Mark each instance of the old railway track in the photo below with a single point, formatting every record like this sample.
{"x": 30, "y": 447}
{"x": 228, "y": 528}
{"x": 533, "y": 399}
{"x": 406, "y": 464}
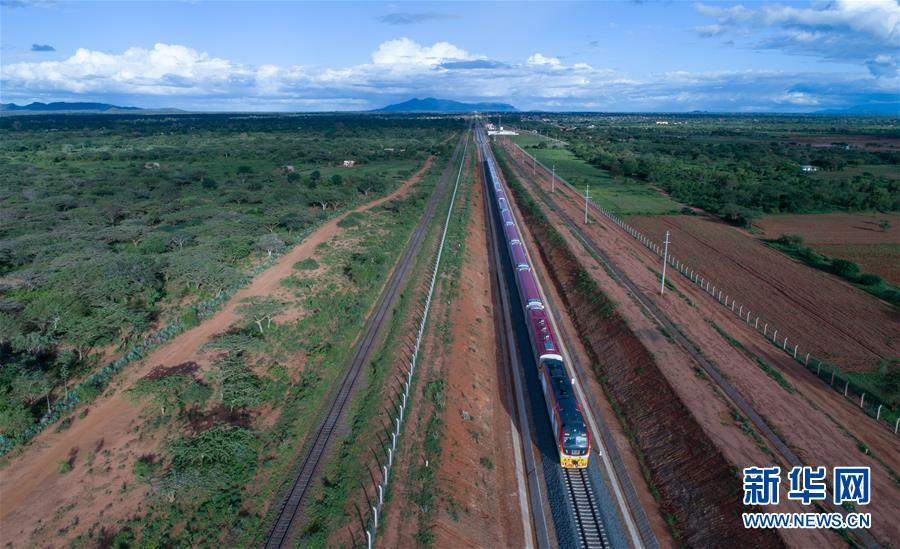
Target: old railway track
{"x": 288, "y": 513}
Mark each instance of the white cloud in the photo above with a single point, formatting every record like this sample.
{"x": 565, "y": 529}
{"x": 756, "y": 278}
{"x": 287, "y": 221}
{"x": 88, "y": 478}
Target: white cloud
{"x": 539, "y": 59}
{"x": 404, "y": 51}
{"x": 176, "y": 75}
{"x": 165, "y": 69}
{"x": 865, "y": 32}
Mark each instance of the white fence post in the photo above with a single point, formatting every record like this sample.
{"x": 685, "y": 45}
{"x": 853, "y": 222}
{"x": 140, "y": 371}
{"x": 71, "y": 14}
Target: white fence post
{"x": 862, "y": 399}
{"x": 878, "y": 413}
{"x": 375, "y": 516}
{"x": 795, "y": 350}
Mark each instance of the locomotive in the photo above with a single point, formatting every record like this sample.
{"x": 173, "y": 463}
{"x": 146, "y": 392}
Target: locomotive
{"x": 570, "y": 432}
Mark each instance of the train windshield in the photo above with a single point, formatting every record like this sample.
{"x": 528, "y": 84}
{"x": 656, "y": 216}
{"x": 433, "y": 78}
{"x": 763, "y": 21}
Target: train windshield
{"x": 575, "y": 441}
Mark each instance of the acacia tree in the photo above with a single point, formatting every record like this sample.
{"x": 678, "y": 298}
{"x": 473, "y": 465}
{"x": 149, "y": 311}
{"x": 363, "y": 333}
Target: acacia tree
{"x": 259, "y": 309}
{"x": 270, "y": 243}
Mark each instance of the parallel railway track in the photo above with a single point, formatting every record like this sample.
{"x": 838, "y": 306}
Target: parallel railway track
{"x": 288, "y": 513}
{"x": 662, "y": 319}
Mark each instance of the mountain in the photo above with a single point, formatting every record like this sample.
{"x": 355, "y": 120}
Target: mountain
{"x": 430, "y": 104}
{"x": 64, "y": 106}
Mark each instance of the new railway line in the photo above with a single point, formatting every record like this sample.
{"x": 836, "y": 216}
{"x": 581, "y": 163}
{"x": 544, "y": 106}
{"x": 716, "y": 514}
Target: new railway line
{"x": 288, "y": 513}
{"x": 662, "y": 319}
{"x": 584, "y": 509}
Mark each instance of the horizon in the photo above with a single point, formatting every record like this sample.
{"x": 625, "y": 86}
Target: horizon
{"x": 640, "y": 57}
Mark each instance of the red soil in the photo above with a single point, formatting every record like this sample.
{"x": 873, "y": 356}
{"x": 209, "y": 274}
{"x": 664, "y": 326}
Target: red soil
{"x": 33, "y": 489}
{"x": 857, "y": 237}
{"x": 828, "y": 317}
{"x": 487, "y": 499}
{"x": 816, "y": 422}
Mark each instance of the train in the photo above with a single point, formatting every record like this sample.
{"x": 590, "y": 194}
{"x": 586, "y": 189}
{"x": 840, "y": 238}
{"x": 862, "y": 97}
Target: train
{"x": 573, "y": 440}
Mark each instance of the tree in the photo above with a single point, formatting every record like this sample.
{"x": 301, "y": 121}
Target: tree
{"x": 270, "y": 243}
{"x": 259, "y": 309}
{"x": 30, "y": 386}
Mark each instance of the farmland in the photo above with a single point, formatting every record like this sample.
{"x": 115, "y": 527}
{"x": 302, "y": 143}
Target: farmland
{"x": 871, "y": 240}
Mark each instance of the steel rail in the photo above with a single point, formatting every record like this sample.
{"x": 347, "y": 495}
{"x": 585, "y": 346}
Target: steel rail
{"x": 288, "y": 512}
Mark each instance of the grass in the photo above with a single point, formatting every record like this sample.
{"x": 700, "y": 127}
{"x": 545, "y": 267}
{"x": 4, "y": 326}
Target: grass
{"x": 616, "y": 194}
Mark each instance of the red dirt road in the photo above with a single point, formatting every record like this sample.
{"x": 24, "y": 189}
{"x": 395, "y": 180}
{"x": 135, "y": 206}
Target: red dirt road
{"x": 32, "y": 488}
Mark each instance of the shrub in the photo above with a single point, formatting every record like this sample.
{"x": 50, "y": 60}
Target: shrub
{"x": 844, "y": 268}
{"x": 308, "y": 264}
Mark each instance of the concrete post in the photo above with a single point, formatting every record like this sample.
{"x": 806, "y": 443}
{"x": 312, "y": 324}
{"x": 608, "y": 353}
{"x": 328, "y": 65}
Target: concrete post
{"x": 846, "y": 387}
{"x": 380, "y": 495}
{"x": 741, "y": 311}
{"x": 756, "y": 324}
{"x": 878, "y": 413}
{"x": 385, "y": 474}
{"x": 807, "y": 359}
{"x": 862, "y": 399}
{"x": 784, "y": 347}
{"x": 897, "y": 424}
{"x": 375, "y": 516}
{"x": 765, "y": 329}
{"x": 775, "y": 335}
{"x": 732, "y": 305}
{"x": 369, "y": 539}
{"x": 795, "y": 350}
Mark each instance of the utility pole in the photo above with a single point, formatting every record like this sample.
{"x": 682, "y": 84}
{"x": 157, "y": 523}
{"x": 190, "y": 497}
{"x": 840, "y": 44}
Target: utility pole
{"x": 553, "y": 181}
{"x": 662, "y": 288}
{"x": 587, "y": 198}
{"x": 532, "y": 165}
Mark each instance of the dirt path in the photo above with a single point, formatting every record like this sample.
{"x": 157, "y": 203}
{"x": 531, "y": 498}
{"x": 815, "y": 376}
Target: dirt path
{"x": 31, "y": 485}
{"x": 811, "y": 421}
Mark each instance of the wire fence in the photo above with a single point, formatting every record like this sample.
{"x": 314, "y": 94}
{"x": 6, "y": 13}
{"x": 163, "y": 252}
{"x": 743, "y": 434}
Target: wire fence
{"x": 381, "y": 486}
{"x": 874, "y": 407}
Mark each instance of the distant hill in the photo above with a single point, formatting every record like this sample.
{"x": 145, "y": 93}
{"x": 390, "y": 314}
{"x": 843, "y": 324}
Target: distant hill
{"x": 430, "y": 104}
{"x": 64, "y": 106}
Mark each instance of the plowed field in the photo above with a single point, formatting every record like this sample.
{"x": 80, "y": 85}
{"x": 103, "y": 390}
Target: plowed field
{"x": 826, "y": 316}
{"x": 857, "y": 237}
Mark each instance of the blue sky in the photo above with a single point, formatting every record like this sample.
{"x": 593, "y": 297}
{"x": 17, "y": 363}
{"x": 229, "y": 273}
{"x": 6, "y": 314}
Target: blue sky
{"x": 608, "y": 56}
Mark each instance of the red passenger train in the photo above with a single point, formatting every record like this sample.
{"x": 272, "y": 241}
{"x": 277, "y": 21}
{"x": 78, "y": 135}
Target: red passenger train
{"x": 572, "y": 438}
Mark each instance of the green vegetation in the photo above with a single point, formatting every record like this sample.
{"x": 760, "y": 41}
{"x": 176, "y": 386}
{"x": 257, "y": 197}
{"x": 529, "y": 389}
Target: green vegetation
{"x": 736, "y": 166}
{"x": 116, "y": 227}
{"x": 618, "y": 194}
{"x": 793, "y": 246}
{"x": 884, "y": 382}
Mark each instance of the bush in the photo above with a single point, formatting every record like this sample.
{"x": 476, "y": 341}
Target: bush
{"x": 870, "y": 279}
{"x": 845, "y": 268}
{"x": 792, "y": 240}
{"x": 308, "y": 264}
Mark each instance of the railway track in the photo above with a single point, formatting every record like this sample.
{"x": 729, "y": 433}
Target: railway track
{"x": 588, "y": 528}
{"x": 288, "y": 513}
{"x": 537, "y": 517}
{"x": 584, "y": 510}
{"x": 663, "y": 320}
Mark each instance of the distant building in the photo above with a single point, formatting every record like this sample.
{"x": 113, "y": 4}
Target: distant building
{"x": 662, "y": 122}
{"x": 286, "y": 169}
{"x": 151, "y": 165}
{"x": 349, "y": 163}
{"x": 809, "y": 168}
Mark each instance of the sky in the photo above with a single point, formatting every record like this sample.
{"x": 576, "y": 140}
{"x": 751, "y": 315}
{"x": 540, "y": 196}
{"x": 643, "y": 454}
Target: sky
{"x": 676, "y": 56}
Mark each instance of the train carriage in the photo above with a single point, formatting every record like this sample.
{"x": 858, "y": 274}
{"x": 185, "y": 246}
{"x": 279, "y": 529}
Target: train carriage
{"x": 570, "y": 431}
